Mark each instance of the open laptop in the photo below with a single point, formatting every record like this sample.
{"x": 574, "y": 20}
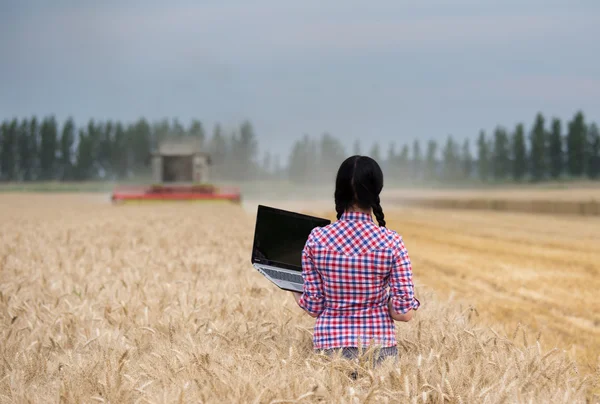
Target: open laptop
{"x": 279, "y": 238}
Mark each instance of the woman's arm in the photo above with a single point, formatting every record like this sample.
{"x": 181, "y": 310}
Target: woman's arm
{"x": 297, "y": 297}
{"x": 399, "y": 316}
{"x": 312, "y": 299}
{"x": 402, "y": 301}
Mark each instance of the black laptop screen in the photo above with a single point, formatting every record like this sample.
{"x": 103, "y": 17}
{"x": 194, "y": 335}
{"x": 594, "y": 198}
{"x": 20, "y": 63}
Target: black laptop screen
{"x": 280, "y": 236}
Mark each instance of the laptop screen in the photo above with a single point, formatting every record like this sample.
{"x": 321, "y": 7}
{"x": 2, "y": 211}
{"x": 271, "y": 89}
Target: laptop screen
{"x": 280, "y": 236}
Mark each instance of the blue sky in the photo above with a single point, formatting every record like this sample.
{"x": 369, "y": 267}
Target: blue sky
{"x": 382, "y": 70}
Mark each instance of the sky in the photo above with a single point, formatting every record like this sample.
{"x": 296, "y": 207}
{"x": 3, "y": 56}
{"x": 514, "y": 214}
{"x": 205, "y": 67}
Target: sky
{"x": 383, "y": 70}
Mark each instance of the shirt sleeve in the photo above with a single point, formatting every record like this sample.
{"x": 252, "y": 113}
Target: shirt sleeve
{"x": 401, "y": 284}
{"x": 312, "y": 299}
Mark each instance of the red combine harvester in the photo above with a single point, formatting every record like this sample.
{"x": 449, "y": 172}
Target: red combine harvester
{"x": 180, "y": 173}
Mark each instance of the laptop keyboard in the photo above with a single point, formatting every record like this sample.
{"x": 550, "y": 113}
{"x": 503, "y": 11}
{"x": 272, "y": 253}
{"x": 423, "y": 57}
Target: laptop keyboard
{"x": 284, "y": 276}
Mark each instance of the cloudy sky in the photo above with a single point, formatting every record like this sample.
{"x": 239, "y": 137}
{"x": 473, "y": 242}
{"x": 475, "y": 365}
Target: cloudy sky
{"x": 391, "y": 70}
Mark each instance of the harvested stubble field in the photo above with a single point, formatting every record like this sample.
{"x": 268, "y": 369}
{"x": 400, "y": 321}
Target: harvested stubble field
{"x": 583, "y": 201}
{"x": 156, "y": 303}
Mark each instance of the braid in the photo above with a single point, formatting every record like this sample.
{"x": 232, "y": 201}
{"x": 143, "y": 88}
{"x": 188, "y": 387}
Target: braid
{"x": 341, "y": 207}
{"x": 340, "y": 210}
{"x": 378, "y": 211}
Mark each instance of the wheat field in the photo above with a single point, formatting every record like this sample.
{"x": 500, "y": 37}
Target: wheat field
{"x": 574, "y": 193}
{"x": 159, "y": 304}
{"x": 582, "y": 201}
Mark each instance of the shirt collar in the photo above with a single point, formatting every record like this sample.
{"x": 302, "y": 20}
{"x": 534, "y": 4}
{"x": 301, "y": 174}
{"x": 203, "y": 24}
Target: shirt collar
{"x": 356, "y": 217}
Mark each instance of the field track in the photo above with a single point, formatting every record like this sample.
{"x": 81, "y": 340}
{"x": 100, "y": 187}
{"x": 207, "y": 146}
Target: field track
{"x": 157, "y": 304}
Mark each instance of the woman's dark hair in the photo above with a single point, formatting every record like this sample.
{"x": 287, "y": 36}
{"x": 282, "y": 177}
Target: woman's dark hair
{"x": 359, "y": 181}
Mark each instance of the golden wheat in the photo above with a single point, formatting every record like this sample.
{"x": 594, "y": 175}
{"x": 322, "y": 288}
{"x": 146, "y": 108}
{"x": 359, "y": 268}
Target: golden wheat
{"x": 575, "y": 192}
{"x": 583, "y": 202}
{"x": 158, "y": 304}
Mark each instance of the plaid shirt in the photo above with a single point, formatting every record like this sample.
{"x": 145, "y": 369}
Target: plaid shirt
{"x": 347, "y": 267}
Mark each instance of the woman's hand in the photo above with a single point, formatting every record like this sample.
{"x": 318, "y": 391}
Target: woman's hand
{"x": 297, "y": 296}
{"x": 399, "y": 316}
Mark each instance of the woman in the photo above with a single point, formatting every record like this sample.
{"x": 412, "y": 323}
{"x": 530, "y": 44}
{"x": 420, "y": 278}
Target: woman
{"x": 348, "y": 266}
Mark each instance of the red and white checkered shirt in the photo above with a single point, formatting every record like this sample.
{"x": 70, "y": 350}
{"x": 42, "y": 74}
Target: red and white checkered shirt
{"x": 347, "y": 268}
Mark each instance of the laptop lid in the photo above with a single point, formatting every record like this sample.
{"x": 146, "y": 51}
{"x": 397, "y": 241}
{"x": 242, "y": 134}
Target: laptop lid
{"x": 280, "y": 236}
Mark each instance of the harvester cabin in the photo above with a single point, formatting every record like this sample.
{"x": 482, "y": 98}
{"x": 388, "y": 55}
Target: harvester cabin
{"x": 180, "y": 162}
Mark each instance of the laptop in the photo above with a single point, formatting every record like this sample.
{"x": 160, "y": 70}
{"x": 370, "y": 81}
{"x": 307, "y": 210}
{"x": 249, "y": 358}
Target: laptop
{"x": 279, "y": 238}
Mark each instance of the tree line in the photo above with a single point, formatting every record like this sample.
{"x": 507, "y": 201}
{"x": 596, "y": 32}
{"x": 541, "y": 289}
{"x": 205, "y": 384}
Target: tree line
{"x": 547, "y": 151}
{"x": 39, "y": 150}
{"x": 33, "y": 149}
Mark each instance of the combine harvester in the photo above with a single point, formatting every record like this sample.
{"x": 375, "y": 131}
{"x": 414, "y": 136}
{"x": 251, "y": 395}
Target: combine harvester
{"x": 180, "y": 173}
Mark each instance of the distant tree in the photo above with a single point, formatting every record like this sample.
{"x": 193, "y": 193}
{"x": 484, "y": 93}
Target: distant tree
{"x": 576, "y": 142}
{"x": 467, "y": 159}
{"x": 299, "y": 170}
{"x": 105, "y": 143}
{"x": 375, "y": 153}
{"x": 197, "y": 130}
{"x": 2, "y": 131}
{"x": 404, "y": 163}
{"x": 314, "y": 159}
{"x": 3, "y": 153}
{"x": 248, "y": 150}
{"x": 519, "y": 153}
{"x": 483, "y": 157}
{"x": 34, "y": 147}
{"x": 297, "y": 163}
{"x": 266, "y": 164}
{"x": 13, "y": 135}
{"x": 593, "y": 166}
{"x": 94, "y": 136}
{"x": 139, "y": 141}
{"x": 234, "y": 161}
{"x": 9, "y": 148}
{"x": 390, "y": 165}
{"x": 331, "y": 154}
{"x": 391, "y": 154}
{"x": 84, "y": 168}
{"x": 304, "y": 161}
{"x": 277, "y": 169}
{"x": 48, "y": 148}
{"x": 160, "y": 132}
{"x": 25, "y": 155}
{"x": 218, "y": 151}
{"x": 417, "y": 160}
{"x": 555, "y": 151}
{"x": 431, "y": 160}
{"x": 121, "y": 150}
{"x": 537, "y": 159}
{"x": 451, "y": 160}
{"x": 241, "y": 169}
{"x": 66, "y": 150}
{"x": 501, "y": 154}
{"x": 177, "y": 129}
